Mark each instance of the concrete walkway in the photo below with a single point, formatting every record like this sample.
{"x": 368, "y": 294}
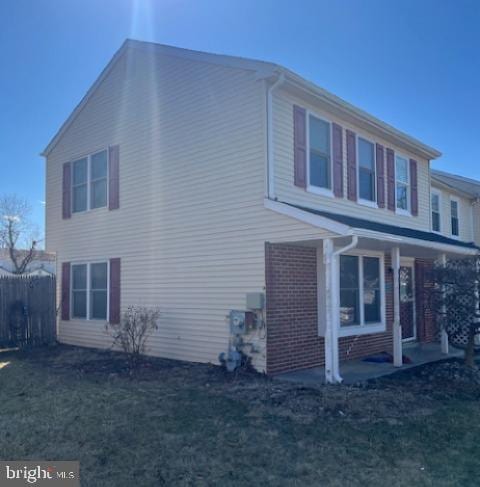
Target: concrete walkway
{"x": 354, "y": 371}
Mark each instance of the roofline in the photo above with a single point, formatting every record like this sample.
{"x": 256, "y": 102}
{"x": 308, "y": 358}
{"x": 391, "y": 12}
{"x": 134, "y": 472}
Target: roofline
{"x": 436, "y": 172}
{"x": 360, "y": 115}
{"x": 53, "y": 142}
{"x": 265, "y": 70}
{"x": 448, "y": 187}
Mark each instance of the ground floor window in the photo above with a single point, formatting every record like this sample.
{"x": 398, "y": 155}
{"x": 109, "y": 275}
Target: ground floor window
{"x": 361, "y": 290}
{"x": 89, "y": 297}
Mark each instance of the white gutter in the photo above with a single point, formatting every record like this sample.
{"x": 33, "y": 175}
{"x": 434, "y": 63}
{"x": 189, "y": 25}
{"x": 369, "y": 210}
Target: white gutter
{"x": 440, "y": 247}
{"x": 270, "y": 148}
{"x": 332, "y": 325}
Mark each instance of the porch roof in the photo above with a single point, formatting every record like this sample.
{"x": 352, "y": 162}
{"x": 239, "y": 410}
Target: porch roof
{"x": 384, "y": 228}
{"x": 377, "y": 234}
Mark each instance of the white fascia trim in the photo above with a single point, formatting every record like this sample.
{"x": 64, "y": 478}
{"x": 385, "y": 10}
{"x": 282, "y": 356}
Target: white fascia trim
{"x": 306, "y": 217}
{"x": 397, "y": 239}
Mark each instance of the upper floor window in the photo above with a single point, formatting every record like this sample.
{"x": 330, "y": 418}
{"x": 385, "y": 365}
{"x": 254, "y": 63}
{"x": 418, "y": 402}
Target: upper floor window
{"x": 319, "y": 137}
{"x": 435, "y": 202}
{"x": 366, "y": 169}
{"x": 89, "y": 182}
{"x": 402, "y": 183}
{"x": 90, "y": 291}
{"x": 454, "y": 217}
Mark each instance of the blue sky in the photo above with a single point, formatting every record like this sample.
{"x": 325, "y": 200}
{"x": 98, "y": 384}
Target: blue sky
{"x": 412, "y": 63}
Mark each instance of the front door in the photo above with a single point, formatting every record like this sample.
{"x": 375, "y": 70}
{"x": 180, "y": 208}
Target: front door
{"x": 407, "y": 301}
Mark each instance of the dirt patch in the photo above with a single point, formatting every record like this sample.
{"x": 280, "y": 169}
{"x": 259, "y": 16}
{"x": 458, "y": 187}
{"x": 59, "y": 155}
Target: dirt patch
{"x": 412, "y": 393}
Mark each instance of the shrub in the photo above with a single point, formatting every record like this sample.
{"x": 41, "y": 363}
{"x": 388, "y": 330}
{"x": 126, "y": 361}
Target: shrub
{"x": 131, "y": 334}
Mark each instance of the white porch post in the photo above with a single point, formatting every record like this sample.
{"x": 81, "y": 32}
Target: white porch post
{"x": 328, "y": 343}
{"x": 443, "y": 333}
{"x": 397, "y": 327}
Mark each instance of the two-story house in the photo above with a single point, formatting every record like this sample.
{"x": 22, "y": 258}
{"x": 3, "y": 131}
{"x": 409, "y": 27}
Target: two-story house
{"x": 191, "y": 181}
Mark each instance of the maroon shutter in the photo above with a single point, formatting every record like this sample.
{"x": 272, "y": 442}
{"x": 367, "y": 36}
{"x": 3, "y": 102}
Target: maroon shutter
{"x": 65, "y": 291}
{"x": 380, "y": 162}
{"x": 351, "y": 166}
{"x": 390, "y": 180}
{"x": 114, "y": 291}
{"x": 67, "y": 191}
{"x": 413, "y": 187}
{"x": 300, "y": 146}
{"x": 337, "y": 136}
{"x": 113, "y": 178}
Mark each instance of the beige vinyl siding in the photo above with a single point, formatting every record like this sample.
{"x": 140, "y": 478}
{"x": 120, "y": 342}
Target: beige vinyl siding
{"x": 465, "y": 214}
{"x": 191, "y": 227}
{"x": 286, "y": 190}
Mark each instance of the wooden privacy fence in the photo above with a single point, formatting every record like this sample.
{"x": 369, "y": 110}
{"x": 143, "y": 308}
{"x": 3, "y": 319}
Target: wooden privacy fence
{"x": 27, "y": 311}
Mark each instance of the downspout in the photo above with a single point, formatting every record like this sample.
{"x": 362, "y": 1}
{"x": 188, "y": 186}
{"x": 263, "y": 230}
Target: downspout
{"x": 332, "y": 368}
{"x": 270, "y": 158}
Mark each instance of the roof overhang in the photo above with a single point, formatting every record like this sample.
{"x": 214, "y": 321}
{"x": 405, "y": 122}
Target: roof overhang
{"x": 343, "y": 230}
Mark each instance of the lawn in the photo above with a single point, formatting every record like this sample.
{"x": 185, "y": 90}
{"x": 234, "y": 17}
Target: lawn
{"x": 180, "y": 424}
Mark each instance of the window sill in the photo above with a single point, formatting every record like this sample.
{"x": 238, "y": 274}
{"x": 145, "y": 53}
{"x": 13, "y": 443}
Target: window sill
{"x": 399, "y": 211}
{"x": 369, "y": 203}
{"x": 88, "y": 320}
{"x": 93, "y": 210}
{"x": 320, "y": 191}
{"x": 354, "y": 330}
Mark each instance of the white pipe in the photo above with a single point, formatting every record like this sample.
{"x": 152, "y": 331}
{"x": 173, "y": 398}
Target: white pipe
{"x": 332, "y": 361}
{"x": 397, "y": 327}
{"x": 270, "y": 158}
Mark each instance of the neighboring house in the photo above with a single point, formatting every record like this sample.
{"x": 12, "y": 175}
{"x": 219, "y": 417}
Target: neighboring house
{"x": 42, "y": 264}
{"x": 455, "y": 204}
{"x": 186, "y": 180}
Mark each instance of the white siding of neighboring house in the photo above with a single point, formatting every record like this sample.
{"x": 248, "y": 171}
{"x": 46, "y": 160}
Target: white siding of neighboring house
{"x": 35, "y": 265}
{"x": 191, "y": 227}
{"x": 465, "y": 210}
{"x": 476, "y": 222}
{"x": 283, "y": 103}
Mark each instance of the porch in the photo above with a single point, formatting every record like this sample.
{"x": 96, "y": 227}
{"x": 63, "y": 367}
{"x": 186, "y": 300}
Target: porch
{"x": 355, "y": 371}
{"x": 362, "y": 291}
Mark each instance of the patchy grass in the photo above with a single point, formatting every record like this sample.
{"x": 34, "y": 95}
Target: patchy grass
{"x": 184, "y": 424}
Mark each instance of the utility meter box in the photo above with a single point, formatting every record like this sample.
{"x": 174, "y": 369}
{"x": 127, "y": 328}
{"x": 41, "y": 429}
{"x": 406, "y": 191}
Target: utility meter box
{"x": 255, "y": 300}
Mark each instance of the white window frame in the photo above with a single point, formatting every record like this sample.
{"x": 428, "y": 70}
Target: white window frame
{"x": 365, "y": 328}
{"x": 436, "y": 192}
{"x": 312, "y": 188}
{"x": 372, "y": 203}
{"x": 88, "y": 264}
{"x": 457, "y": 200}
{"x": 401, "y": 211}
{"x": 89, "y": 180}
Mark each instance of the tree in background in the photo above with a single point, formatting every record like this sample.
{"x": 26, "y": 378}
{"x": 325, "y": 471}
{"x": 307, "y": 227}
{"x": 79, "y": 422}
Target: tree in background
{"x": 456, "y": 301}
{"x": 17, "y": 232}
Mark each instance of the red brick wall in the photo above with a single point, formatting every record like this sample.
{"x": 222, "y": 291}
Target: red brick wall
{"x": 292, "y": 330}
{"x": 291, "y": 291}
{"x": 291, "y": 306}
